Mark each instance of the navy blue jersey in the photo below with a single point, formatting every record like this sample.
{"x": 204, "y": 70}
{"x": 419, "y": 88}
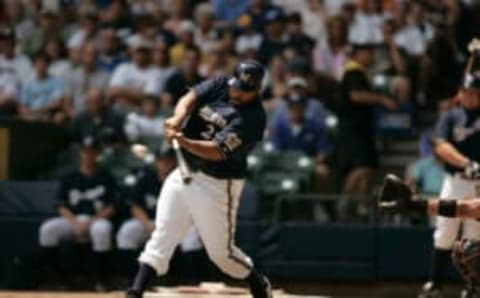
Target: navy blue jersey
{"x": 461, "y": 128}
{"x": 236, "y": 128}
{"x": 146, "y": 191}
{"x": 87, "y": 194}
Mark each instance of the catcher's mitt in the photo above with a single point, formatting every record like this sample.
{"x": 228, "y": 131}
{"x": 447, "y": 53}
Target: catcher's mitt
{"x": 466, "y": 257}
{"x": 395, "y": 194}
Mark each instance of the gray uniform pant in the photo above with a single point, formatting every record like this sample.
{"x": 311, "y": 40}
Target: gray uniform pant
{"x": 56, "y": 229}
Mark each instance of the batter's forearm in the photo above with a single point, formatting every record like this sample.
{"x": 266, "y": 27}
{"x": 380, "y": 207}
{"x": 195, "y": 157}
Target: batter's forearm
{"x": 208, "y": 150}
{"x": 450, "y": 155}
{"x": 185, "y": 105}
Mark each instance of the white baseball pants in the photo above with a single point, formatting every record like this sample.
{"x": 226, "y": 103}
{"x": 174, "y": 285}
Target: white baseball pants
{"x": 58, "y": 228}
{"x": 210, "y": 205}
{"x": 133, "y": 234}
{"x": 447, "y": 229}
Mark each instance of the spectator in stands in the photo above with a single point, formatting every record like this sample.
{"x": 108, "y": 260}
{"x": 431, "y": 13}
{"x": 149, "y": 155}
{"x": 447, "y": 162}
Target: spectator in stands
{"x": 415, "y": 37}
{"x": 60, "y": 65}
{"x": 330, "y": 54}
{"x": 42, "y": 98}
{"x": 178, "y": 13}
{"x": 182, "y": 78}
{"x": 427, "y": 173}
{"x": 367, "y": 24}
{"x": 299, "y": 132}
{"x": 314, "y": 19}
{"x": 229, "y": 12}
{"x": 390, "y": 67}
{"x": 88, "y": 28}
{"x": 298, "y": 88}
{"x": 297, "y": 39}
{"x": 15, "y": 63}
{"x": 84, "y": 78}
{"x": 132, "y": 82}
{"x": 214, "y": 63}
{"x": 358, "y": 155}
{"x": 248, "y": 42}
{"x": 86, "y": 198}
{"x": 97, "y": 118}
{"x": 258, "y": 12}
{"x": 185, "y": 37}
{"x": 204, "y": 33}
{"x": 276, "y": 39}
{"x": 48, "y": 28}
{"x": 146, "y": 126}
{"x": 16, "y": 18}
{"x": 111, "y": 54}
{"x": 161, "y": 61}
{"x": 9, "y": 89}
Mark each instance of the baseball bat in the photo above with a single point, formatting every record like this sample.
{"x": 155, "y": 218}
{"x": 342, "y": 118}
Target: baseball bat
{"x": 182, "y": 163}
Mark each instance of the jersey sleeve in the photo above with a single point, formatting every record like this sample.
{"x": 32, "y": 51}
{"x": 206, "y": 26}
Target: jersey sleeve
{"x": 240, "y": 136}
{"x": 208, "y": 90}
{"x": 443, "y": 128}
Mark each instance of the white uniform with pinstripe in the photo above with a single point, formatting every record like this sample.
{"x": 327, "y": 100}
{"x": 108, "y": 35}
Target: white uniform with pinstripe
{"x": 211, "y": 205}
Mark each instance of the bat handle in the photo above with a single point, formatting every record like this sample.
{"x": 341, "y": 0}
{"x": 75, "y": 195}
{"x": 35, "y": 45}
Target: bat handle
{"x": 182, "y": 164}
{"x": 175, "y": 144}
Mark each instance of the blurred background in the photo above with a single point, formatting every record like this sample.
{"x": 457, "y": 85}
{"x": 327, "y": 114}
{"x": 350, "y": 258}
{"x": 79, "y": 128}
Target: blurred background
{"x": 111, "y": 71}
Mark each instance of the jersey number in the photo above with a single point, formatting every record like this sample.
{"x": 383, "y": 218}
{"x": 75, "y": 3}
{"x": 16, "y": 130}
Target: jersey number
{"x": 208, "y": 134}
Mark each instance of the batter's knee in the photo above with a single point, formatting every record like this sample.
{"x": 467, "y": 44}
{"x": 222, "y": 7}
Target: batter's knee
{"x": 229, "y": 264}
{"x": 101, "y": 235}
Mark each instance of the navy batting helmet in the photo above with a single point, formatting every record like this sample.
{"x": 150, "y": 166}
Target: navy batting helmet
{"x": 247, "y": 76}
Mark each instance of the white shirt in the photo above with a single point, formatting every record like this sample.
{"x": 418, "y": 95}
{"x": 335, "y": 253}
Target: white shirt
{"x": 141, "y": 127}
{"x": 366, "y": 28}
{"x": 20, "y": 66}
{"x": 248, "y": 42}
{"x": 79, "y": 82}
{"x": 60, "y": 68}
{"x": 9, "y": 84}
{"x": 146, "y": 79}
{"x": 414, "y": 40}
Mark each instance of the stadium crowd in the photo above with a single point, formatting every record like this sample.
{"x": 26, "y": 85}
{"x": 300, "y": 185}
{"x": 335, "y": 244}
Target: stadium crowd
{"x": 120, "y": 66}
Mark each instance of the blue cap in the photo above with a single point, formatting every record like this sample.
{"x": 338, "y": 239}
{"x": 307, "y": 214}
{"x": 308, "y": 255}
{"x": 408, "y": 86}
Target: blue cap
{"x": 247, "y": 76}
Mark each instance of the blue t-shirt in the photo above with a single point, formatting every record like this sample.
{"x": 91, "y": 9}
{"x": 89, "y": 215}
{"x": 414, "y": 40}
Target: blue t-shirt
{"x": 429, "y": 175}
{"x": 36, "y": 94}
{"x": 235, "y": 128}
{"x": 311, "y": 138}
{"x": 461, "y": 128}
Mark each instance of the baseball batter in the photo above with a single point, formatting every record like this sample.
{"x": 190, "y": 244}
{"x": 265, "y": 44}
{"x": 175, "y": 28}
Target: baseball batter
{"x": 224, "y": 119}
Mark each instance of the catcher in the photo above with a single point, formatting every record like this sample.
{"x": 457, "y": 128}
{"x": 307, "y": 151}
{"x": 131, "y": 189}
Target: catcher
{"x": 397, "y": 196}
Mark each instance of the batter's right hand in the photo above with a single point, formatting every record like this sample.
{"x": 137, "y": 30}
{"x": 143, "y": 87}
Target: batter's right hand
{"x": 174, "y": 123}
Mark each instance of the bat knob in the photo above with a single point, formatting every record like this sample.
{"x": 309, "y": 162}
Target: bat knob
{"x": 187, "y": 180}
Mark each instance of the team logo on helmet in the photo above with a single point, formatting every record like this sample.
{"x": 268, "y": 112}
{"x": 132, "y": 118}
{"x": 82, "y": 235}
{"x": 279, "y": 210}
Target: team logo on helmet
{"x": 245, "y": 77}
